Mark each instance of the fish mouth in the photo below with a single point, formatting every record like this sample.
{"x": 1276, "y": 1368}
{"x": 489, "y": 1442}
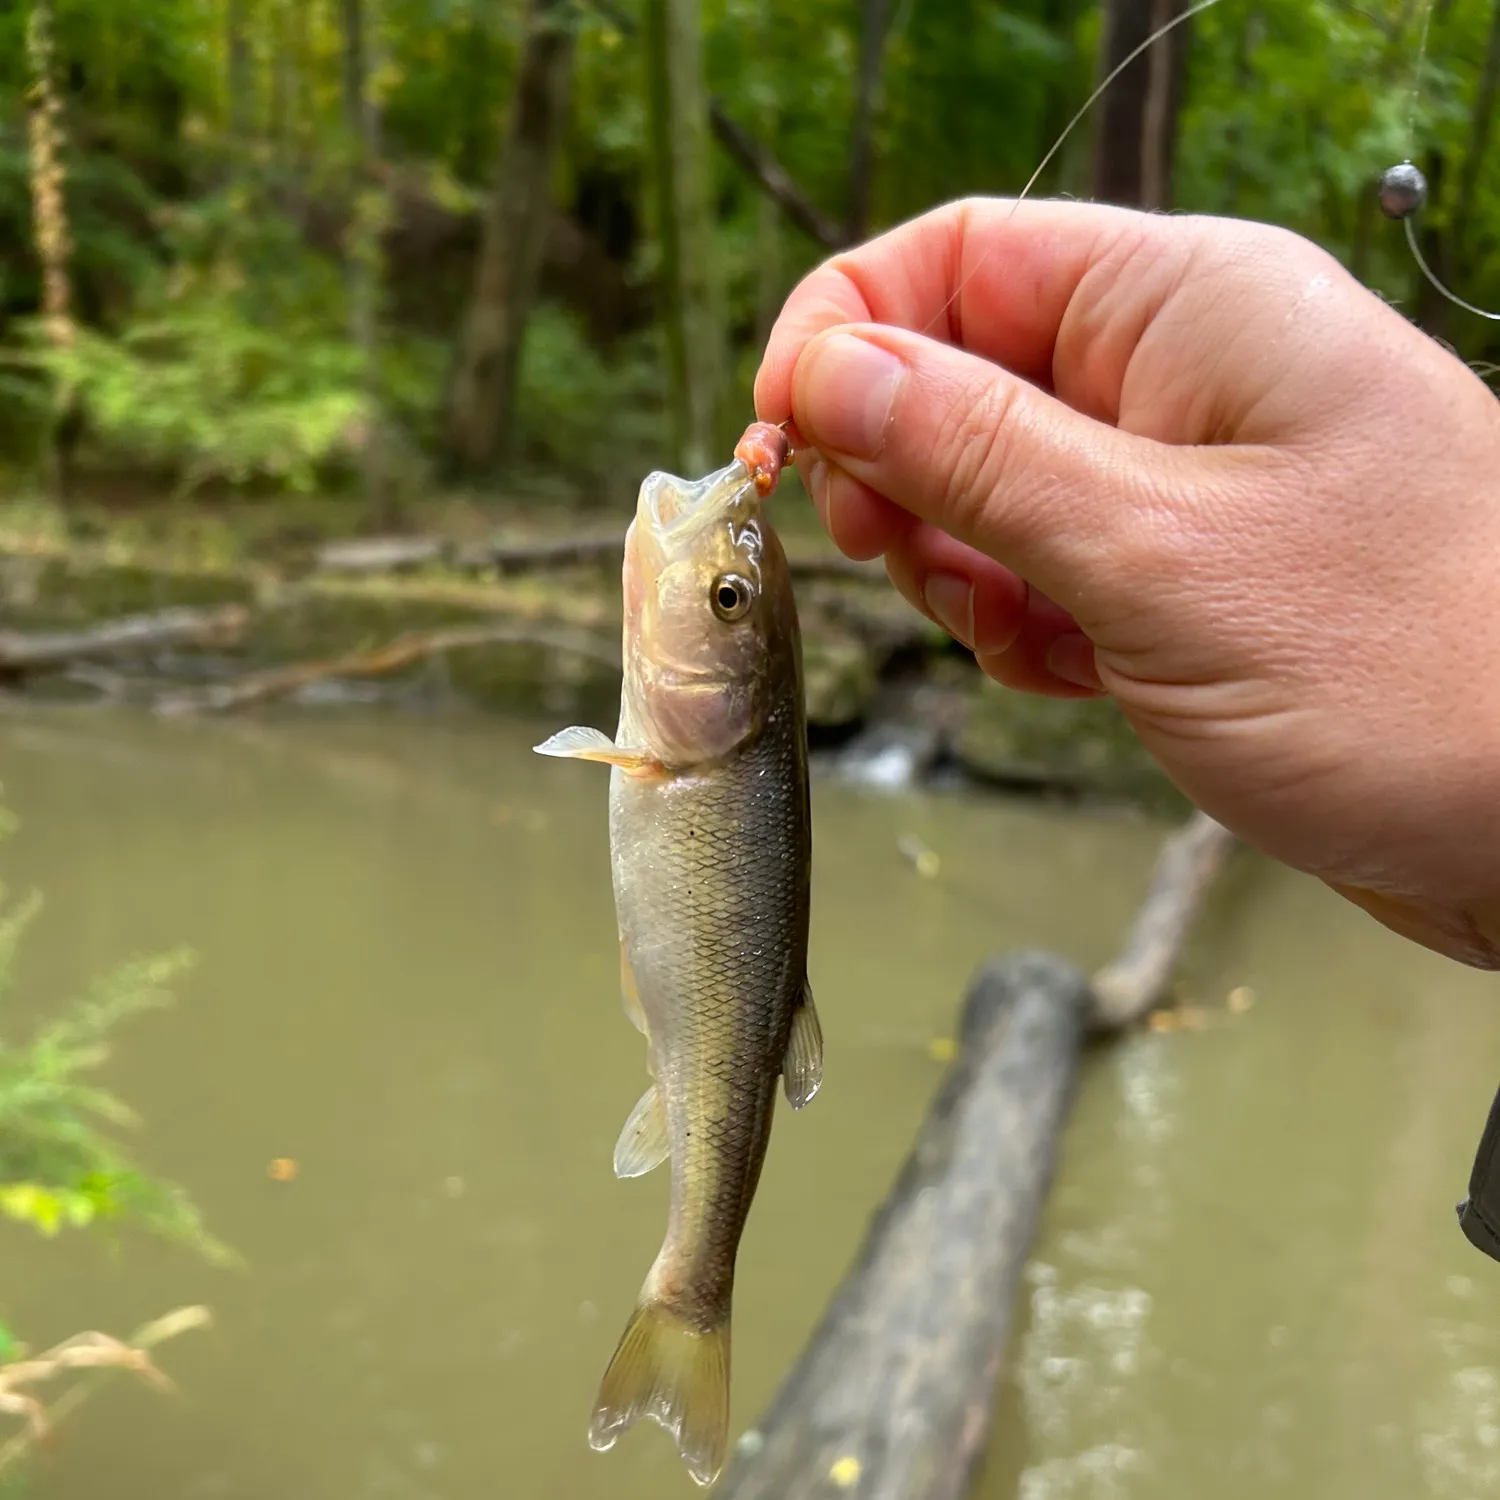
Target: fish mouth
{"x": 672, "y": 507}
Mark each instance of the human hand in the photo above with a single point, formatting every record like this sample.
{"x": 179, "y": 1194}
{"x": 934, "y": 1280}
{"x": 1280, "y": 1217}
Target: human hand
{"x": 1193, "y": 464}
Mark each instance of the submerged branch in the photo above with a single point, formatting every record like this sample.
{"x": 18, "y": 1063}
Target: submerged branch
{"x": 279, "y": 682}
{"x": 39, "y": 651}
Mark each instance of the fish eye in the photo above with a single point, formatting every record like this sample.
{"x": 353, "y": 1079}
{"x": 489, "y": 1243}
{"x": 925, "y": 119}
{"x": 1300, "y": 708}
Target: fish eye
{"x": 731, "y": 597}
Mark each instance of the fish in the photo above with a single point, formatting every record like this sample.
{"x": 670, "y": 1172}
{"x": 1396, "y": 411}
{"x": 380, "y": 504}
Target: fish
{"x": 711, "y": 851}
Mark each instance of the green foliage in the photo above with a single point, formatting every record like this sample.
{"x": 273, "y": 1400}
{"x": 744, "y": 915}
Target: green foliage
{"x": 213, "y": 274}
{"x": 566, "y": 385}
{"x": 60, "y": 1167}
{"x": 233, "y": 365}
{"x": 205, "y": 395}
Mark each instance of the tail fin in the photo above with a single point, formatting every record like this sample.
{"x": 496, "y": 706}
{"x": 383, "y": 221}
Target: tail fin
{"x": 667, "y": 1370}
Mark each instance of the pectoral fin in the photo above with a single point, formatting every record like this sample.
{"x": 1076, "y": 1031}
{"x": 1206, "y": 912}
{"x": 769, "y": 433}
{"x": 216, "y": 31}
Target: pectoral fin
{"x": 643, "y": 1141}
{"x": 578, "y": 742}
{"x": 802, "y": 1072}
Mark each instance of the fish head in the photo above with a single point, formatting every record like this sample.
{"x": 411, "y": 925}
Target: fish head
{"x": 705, "y": 599}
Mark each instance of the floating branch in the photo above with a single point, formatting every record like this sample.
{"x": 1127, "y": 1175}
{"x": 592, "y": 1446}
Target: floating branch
{"x": 278, "y": 682}
{"x": 41, "y": 651}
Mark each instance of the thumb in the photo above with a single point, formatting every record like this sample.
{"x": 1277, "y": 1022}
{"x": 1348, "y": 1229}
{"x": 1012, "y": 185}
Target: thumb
{"x": 1073, "y": 505}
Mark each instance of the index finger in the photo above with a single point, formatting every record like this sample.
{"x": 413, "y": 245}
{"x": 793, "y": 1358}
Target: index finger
{"x": 989, "y": 275}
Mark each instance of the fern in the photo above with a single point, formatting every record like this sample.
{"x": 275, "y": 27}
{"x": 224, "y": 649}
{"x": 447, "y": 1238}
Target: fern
{"x": 60, "y": 1165}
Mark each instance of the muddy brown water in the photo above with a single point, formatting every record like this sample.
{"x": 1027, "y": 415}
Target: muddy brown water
{"x": 1248, "y": 1281}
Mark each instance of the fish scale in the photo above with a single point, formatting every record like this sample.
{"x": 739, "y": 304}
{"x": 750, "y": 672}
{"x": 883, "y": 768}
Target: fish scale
{"x": 719, "y": 988}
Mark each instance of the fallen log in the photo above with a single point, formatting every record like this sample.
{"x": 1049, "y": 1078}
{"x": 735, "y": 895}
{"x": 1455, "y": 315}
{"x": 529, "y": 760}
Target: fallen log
{"x": 379, "y": 554}
{"x": 892, "y": 1398}
{"x": 23, "y": 652}
{"x": 1126, "y": 988}
{"x": 279, "y": 682}
{"x": 556, "y": 552}
{"x": 389, "y": 554}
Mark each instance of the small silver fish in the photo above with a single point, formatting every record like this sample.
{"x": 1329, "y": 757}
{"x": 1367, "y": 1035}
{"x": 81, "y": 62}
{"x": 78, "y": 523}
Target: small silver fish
{"x": 711, "y": 847}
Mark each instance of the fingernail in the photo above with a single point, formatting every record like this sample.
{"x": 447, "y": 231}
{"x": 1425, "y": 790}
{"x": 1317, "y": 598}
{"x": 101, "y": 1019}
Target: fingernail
{"x": 1071, "y": 658}
{"x": 849, "y": 393}
{"x": 951, "y": 600}
{"x": 817, "y": 485}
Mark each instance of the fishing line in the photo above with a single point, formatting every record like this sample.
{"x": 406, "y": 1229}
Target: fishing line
{"x": 1197, "y": 8}
{"x": 1416, "y": 83}
{"x": 1431, "y": 275}
{"x": 1403, "y": 188}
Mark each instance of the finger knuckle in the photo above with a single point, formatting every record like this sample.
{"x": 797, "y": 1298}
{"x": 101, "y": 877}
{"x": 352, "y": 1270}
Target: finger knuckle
{"x": 975, "y": 441}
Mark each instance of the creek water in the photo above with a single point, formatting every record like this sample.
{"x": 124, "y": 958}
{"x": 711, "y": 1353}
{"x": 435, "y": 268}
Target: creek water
{"x": 1248, "y": 1276}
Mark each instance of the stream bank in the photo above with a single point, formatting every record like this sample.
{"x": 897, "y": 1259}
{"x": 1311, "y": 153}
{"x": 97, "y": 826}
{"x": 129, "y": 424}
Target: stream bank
{"x": 891, "y": 700}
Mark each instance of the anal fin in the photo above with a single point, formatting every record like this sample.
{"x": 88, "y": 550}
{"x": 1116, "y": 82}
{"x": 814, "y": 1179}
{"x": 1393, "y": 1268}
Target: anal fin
{"x": 643, "y": 1142}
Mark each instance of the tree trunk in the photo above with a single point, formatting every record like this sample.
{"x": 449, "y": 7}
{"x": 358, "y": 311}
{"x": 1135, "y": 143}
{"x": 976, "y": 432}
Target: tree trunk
{"x": 362, "y": 254}
{"x": 753, "y": 157}
{"x": 769, "y": 291}
{"x": 482, "y": 396}
{"x": 286, "y": 80}
{"x": 768, "y": 288}
{"x": 239, "y": 83}
{"x": 1247, "y": 44}
{"x": 50, "y": 214}
{"x": 1479, "y": 138}
{"x": 1137, "y": 133}
{"x": 1432, "y": 307}
{"x": 677, "y": 115}
{"x": 281, "y": 80}
{"x": 361, "y": 114}
{"x": 50, "y": 231}
{"x": 1060, "y": 18}
{"x": 866, "y": 106}
{"x": 1364, "y": 233}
